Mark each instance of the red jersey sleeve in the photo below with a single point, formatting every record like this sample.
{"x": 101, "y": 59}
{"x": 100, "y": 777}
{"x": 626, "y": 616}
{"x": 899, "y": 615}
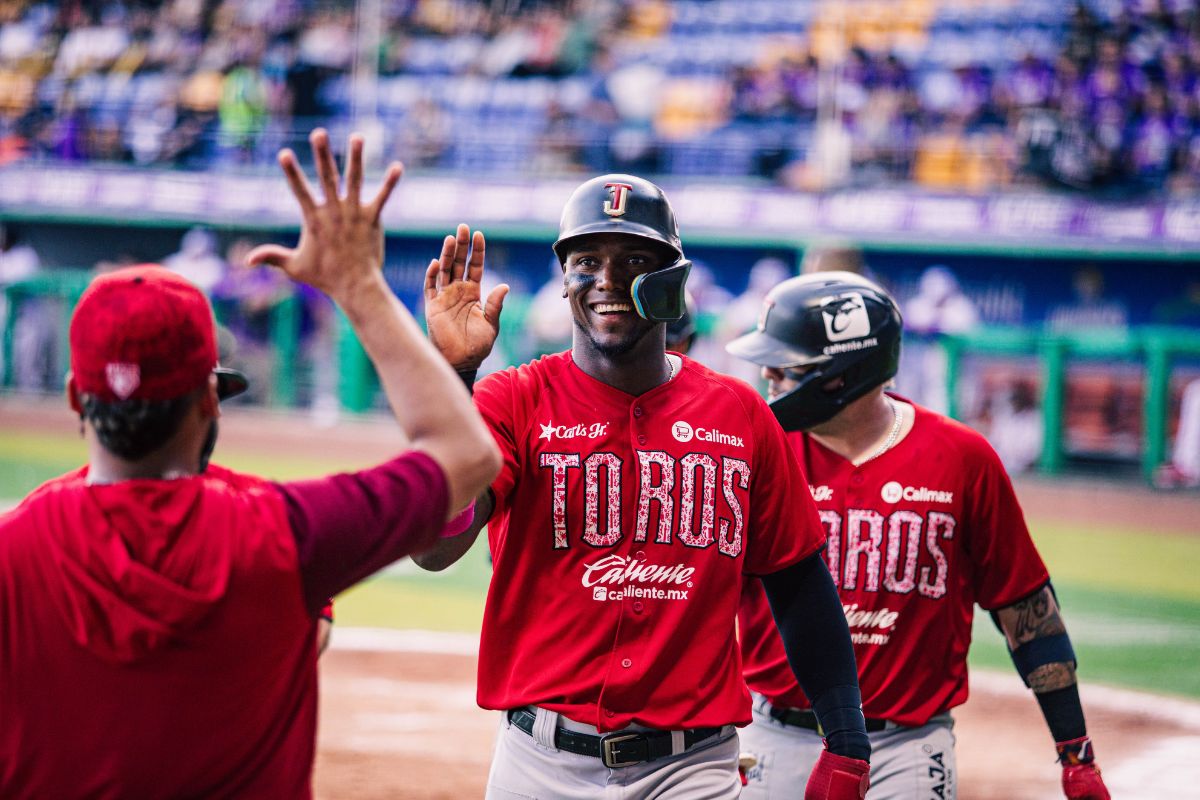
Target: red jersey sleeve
{"x": 495, "y": 402}
{"x": 348, "y": 526}
{"x": 1007, "y": 565}
{"x": 784, "y": 526}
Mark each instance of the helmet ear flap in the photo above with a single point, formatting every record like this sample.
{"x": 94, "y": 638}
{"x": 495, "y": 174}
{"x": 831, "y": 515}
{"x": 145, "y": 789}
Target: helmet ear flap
{"x": 659, "y": 296}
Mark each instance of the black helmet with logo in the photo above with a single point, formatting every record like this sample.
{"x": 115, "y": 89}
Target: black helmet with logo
{"x": 632, "y": 206}
{"x": 838, "y": 325}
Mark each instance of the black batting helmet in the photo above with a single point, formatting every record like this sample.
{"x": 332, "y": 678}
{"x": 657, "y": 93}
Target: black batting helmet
{"x": 839, "y": 324}
{"x": 632, "y": 206}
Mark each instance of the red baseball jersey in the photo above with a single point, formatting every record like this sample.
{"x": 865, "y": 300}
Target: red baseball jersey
{"x": 917, "y": 537}
{"x": 622, "y": 530}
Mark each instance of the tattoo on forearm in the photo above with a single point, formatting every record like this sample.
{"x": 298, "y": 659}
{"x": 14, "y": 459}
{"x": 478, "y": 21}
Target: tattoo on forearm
{"x": 1031, "y": 618}
{"x": 1049, "y": 677}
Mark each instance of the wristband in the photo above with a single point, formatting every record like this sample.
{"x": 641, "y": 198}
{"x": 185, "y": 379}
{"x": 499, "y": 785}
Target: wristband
{"x": 459, "y": 525}
{"x": 468, "y": 377}
{"x": 1063, "y": 713}
{"x": 1043, "y": 650}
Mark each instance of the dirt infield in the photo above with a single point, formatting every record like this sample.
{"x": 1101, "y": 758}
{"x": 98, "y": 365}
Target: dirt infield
{"x": 402, "y": 723}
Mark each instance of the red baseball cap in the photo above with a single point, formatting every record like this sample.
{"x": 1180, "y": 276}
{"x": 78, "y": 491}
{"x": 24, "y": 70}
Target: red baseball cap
{"x": 145, "y": 332}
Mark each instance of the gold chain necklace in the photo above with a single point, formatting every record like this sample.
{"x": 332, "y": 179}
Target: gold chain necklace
{"x": 897, "y": 423}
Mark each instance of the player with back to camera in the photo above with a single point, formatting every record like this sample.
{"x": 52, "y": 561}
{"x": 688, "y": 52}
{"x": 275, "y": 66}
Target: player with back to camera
{"x": 922, "y": 523}
{"x": 639, "y": 489}
{"x": 157, "y": 612}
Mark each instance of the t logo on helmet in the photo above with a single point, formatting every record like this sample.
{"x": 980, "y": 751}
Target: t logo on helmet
{"x": 845, "y": 317}
{"x": 620, "y": 194}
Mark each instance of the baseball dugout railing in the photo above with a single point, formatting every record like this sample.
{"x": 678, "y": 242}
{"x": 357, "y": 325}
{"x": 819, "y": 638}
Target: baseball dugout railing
{"x": 1157, "y": 348}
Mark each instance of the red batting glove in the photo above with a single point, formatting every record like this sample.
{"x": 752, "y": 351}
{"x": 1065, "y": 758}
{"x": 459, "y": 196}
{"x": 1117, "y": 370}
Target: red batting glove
{"x": 837, "y": 777}
{"x": 1081, "y": 777}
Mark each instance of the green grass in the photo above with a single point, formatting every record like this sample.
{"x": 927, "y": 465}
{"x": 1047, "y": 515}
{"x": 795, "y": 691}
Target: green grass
{"x": 406, "y": 597}
{"x": 1131, "y": 598}
{"x": 29, "y": 459}
{"x": 1123, "y": 561}
{"x": 1120, "y": 638}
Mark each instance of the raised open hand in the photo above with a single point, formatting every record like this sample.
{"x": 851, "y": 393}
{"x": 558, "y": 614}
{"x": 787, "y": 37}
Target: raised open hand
{"x": 341, "y": 240}
{"x": 460, "y": 327}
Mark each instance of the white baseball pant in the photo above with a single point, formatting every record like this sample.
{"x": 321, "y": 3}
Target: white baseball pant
{"x": 526, "y": 767}
{"x": 906, "y": 763}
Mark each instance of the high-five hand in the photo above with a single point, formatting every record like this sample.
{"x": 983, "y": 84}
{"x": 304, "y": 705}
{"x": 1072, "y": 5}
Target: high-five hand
{"x": 461, "y": 328}
{"x": 341, "y": 240}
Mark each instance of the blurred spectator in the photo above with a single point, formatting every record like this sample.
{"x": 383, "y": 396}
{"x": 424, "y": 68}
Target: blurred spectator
{"x": 423, "y": 139}
{"x": 244, "y": 300}
{"x": 1016, "y": 426}
{"x": 18, "y": 261}
{"x": 198, "y": 260}
{"x": 242, "y": 110}
{"x": 549, "y": 320}
{"x": 741, "y": 315}
{"x": 833, "y": 257}
{"x": 1183, "y": 470}
{"x": 36, "y": 320}
{"x": 939, "y": 307}
{"x": 559, "y": 149}
{"x": 1090, "y": 308}
{"x": 710, "y": 300}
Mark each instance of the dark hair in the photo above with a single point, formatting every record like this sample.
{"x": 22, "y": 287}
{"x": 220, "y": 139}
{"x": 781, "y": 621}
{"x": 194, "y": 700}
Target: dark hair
{"x": 133, "y": 429}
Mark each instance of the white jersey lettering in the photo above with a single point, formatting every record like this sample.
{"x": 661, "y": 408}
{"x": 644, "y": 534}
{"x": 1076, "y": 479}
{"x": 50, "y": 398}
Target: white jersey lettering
{"x": 939, "y": 526}
{"x": 832, "y": 521}
{"x": 904, "y": 534}
{"x": 734, "y": 473}
{"x": 689, "y": 464}
{"x": 857, "y": 546}
{"x": 611, "y": 464}
{"x": 559, "y": 462}
{"x": 661, "y": 493}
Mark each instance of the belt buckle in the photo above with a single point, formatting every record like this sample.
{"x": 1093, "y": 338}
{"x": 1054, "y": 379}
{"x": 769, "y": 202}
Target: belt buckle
{"x": 607, "y": 745}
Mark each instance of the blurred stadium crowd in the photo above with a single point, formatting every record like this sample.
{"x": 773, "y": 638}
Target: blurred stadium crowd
{"x": 972, "y": 94}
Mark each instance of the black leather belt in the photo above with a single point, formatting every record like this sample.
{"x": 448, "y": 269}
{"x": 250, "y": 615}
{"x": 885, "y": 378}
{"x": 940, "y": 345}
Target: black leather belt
{"x": 614, "y": 749}
{"x": 805, "y": 718}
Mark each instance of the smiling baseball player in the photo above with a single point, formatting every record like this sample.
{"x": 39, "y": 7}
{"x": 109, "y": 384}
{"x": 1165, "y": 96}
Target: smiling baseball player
{"x": 922, "y": 524}
{"x": 639, "y": 489}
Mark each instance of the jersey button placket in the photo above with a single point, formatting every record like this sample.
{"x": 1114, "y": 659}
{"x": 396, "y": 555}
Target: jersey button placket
{"x": 626, "y": 663}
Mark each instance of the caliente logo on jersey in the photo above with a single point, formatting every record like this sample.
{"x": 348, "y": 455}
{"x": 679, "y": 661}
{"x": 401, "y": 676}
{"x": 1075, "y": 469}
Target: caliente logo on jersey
{"x": 616, "y": 577}
{"x": 684, "y": 432}
{"x": 551, "y": 431}
{"x": 894, "y": 492}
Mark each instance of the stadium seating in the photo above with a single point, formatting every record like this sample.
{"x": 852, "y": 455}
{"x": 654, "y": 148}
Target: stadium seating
{"x": 715, "y": 87}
